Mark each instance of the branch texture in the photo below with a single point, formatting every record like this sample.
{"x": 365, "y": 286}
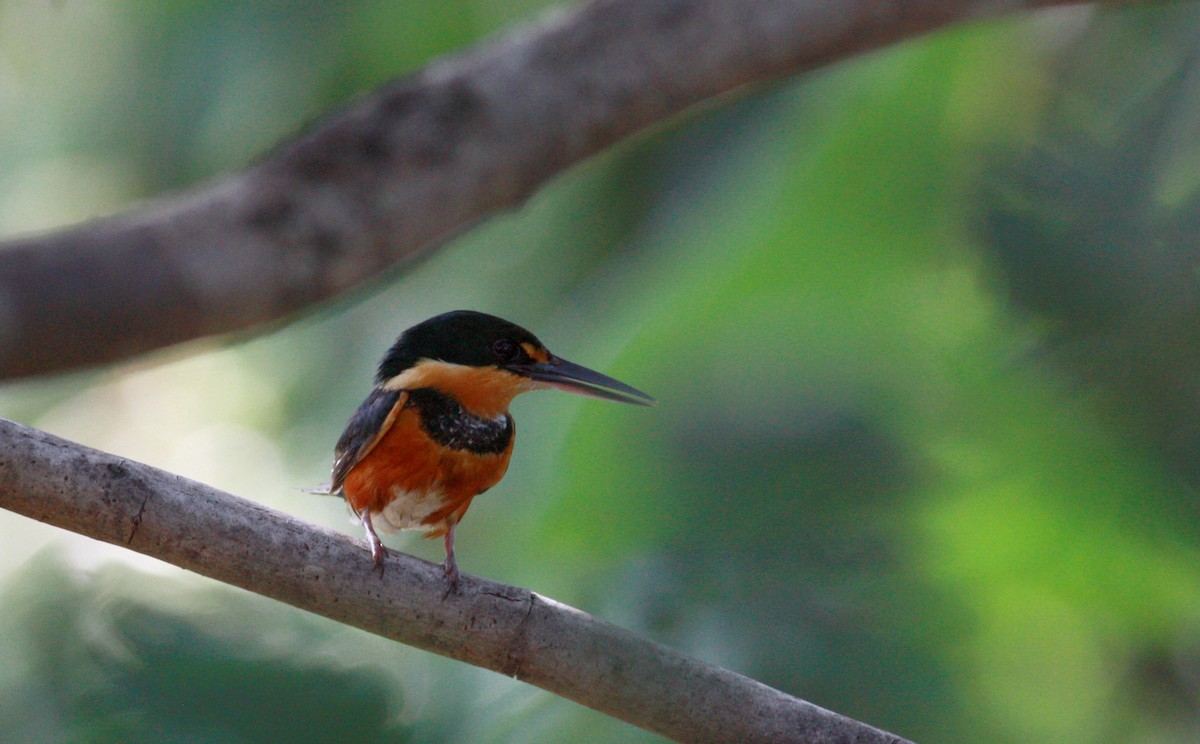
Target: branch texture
{"x": 503, "y": 628}
{"x": 410, "y": 165}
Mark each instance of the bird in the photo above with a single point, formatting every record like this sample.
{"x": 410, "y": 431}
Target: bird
{"x": 435, "y": 431}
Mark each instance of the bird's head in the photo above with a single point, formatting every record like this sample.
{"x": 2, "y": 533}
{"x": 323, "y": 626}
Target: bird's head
{"x": 485, "y": 361}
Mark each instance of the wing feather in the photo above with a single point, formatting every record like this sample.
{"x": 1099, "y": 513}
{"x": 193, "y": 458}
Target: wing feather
{"x": 366, "y": 427}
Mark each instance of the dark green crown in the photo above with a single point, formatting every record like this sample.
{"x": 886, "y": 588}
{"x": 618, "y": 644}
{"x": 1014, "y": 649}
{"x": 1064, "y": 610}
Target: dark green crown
{"x": 460, "y": 337}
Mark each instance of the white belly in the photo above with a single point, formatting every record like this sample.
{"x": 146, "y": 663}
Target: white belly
{"x": 407, "y": 511}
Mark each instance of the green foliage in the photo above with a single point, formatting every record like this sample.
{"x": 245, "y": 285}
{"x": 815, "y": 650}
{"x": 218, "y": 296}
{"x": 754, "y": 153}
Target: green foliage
{"x": 921, "y": 327}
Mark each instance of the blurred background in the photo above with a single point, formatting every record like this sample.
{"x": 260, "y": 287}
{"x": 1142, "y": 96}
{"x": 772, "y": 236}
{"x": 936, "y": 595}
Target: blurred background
{"x": 922, "y": 326}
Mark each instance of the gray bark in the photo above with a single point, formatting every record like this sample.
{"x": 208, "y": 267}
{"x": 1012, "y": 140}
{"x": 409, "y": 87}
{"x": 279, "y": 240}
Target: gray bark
{"x": 503, "y": 628}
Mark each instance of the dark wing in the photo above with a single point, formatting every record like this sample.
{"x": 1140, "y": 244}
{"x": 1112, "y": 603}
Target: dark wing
{"x": 367, "y": 426}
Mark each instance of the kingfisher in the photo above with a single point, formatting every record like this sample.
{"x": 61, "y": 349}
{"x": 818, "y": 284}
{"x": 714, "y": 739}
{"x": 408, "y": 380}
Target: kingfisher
{"x": 435, "y": 432}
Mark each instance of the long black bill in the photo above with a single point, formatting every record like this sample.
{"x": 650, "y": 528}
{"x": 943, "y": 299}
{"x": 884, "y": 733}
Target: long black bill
{"x": 573, "y": 378}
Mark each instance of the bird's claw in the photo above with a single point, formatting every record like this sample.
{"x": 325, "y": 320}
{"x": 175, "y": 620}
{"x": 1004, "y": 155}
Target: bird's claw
{"x": 452, "y": 576}
{"x": 378, "y": 553}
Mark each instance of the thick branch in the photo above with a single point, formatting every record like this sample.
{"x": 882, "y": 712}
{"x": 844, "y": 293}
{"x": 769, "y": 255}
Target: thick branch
{"x": 410, "y": 165}
{"x": 509, "y": 630}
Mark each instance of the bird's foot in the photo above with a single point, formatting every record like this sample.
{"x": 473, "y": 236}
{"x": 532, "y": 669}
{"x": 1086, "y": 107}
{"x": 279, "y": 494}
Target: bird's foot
{"x": 378, "y": 552}
{"x": 450, "y": 565}
{"x": 452, "y": 576}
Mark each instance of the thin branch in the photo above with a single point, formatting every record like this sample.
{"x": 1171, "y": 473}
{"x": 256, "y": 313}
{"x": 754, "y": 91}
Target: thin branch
{"x": 412, "y": 164}
{"x": 503, "y": 628}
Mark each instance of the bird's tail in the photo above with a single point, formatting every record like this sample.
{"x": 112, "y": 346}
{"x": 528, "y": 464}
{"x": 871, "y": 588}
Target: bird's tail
{"x": 325, "y": 489}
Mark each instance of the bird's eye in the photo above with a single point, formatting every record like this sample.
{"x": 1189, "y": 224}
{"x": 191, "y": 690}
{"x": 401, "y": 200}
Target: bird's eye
{"x": 505, "y": 350}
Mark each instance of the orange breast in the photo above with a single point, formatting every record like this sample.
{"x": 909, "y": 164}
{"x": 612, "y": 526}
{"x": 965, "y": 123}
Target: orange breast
{"x": 432, "y": 482}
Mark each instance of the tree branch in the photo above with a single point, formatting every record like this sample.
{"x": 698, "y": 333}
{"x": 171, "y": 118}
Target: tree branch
{"x": 503, "y": 628}
{"x": 412, "y": 164}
